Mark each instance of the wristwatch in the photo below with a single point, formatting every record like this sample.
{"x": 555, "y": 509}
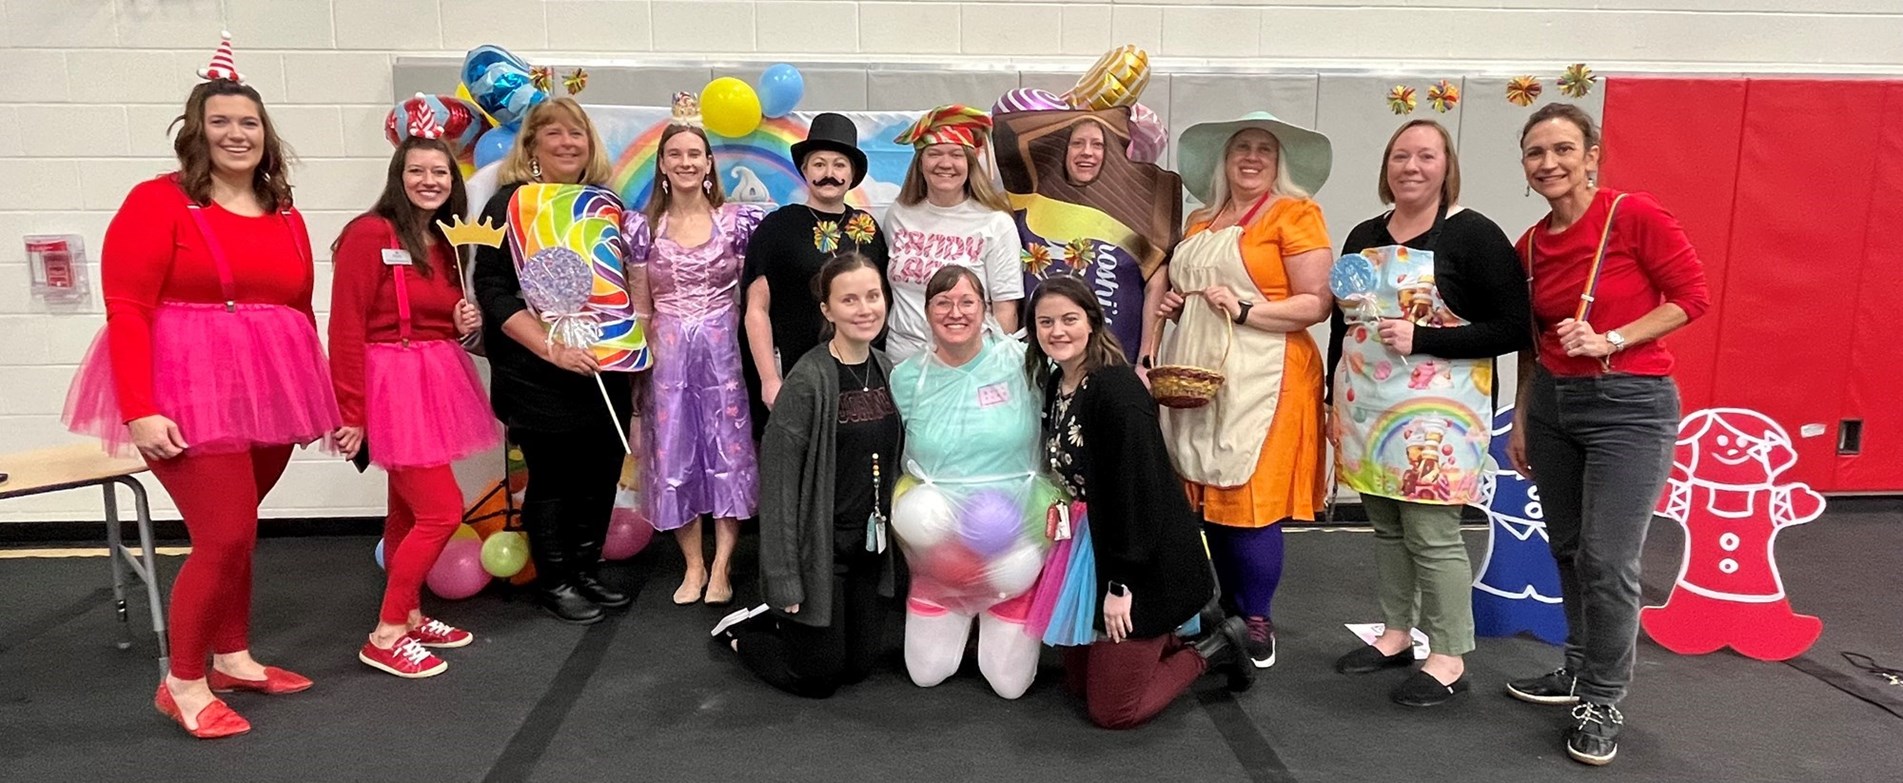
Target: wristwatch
{"x": 1617, "y": 340}
{"x": 1117, "y": 589}
{"x": 1242, "y": 310}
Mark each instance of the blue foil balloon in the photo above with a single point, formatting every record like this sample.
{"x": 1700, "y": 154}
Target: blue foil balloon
{"x": 499, "y": 81}
{"x": 379, "y": 553}
{"x": 781, "y": 88}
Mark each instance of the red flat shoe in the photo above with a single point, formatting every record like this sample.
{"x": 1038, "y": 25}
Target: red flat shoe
{"x": 216, "y": 720}
{"x": 276, "y": 682}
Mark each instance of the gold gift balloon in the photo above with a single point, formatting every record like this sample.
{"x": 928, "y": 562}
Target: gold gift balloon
{"x": 1117, "y": 79}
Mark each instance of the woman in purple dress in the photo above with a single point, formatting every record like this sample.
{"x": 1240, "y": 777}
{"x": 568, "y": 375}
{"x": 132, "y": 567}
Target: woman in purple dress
{"x": 687, "y": 249}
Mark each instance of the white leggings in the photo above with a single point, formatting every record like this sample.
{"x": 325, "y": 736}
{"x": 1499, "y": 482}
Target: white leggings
{"x": 935, "y": 646}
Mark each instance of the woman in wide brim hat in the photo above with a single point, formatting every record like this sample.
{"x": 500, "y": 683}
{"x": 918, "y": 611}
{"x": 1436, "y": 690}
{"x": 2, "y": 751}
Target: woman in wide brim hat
{"x": 1256, "y": 256}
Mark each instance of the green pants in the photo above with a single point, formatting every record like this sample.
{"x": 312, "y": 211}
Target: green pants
{"x": 1421, "y": 562}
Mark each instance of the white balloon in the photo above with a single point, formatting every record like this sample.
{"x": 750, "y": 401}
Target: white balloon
{"x": 923, "y": 517}
{"x": 1017, "y": 570}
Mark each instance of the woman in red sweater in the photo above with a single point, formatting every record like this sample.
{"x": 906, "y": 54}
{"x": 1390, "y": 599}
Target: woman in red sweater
{"x": 210, "y": 366}
{"x": 1610, "y": 274}
{"x": 407, "y": 391}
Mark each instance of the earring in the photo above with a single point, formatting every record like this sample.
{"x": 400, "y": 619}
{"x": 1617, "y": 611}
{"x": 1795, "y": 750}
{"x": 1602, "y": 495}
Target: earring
{"x": 666, "y": 187}
{"x": 707, "y": 186}
{"x": 1592, "y": 179}
{"x": 535, "y": 168}
{"x": 1529, "y": 192}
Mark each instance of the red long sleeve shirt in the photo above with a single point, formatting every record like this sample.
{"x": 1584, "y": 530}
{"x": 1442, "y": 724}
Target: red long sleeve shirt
{"x": 363, "y": 304}
{"x": 1648, "y": 262}
{"x": 155, "y": 253}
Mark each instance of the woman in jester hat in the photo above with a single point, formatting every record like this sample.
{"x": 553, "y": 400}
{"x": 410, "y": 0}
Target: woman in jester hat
{"x": 686, "y": 253}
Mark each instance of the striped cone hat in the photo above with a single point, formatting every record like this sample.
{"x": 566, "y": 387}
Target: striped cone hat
{"x": 221, "y": 66}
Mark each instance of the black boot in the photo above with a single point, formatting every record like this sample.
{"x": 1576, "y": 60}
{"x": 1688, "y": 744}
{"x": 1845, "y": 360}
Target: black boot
{"x": 554, "y": 589}
{"x": 585, "y": 571}
{"x": 1225, "y": 647}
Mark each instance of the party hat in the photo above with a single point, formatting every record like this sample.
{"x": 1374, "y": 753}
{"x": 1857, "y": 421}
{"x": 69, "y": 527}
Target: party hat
{"x": 221, "y": 66}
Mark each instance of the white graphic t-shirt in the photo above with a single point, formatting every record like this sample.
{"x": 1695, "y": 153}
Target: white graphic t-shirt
{"x": 924, "y": 238}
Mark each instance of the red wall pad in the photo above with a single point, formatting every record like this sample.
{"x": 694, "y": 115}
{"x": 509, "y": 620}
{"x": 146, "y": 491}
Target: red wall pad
{"x": 1678, "y": 139}
{"x": 1874, "y": 386}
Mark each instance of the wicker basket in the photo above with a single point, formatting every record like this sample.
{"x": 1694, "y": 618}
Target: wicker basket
{"x": 1186, "y": 386}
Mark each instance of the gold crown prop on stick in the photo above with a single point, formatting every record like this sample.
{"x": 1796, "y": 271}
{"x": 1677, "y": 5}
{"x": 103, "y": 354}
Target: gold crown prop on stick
{"x": 462, "y": 234}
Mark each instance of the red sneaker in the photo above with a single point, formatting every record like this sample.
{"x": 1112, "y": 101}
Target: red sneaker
{"x": 406, "y": 659}
{"x": 435, "y": 633}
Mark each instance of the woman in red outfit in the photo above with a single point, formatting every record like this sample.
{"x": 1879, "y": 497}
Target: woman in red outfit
{"x": 210, "y": 366}
{"x": 407, "y": 391}
{"x": 1609, "y": 275}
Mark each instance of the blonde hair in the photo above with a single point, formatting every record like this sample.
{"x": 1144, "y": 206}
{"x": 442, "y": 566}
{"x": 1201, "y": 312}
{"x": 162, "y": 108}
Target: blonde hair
{"x": 978, "y": 185}
{"x": 1449, "y": 186}
{"x": 1283, "y": 187}
{"x": 515, "y": 166}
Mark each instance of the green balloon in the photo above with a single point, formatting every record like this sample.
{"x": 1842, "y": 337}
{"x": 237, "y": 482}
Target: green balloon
{"x": 505, "y": 553}
{"x": 1044, "y": 494}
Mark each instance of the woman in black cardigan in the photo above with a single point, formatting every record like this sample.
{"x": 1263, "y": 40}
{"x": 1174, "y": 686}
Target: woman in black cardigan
{"x": 828, "y": 463}
{"x": 1104, "y": 446}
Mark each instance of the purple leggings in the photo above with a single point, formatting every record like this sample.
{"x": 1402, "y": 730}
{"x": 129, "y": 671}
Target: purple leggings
{"x": 1248, "y": 565}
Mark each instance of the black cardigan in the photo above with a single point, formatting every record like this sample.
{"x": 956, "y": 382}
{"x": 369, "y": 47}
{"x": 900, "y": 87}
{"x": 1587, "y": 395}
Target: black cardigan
{"x": 525, "y": 391}
{"x": 1142, "y": 529}
{"x": 1479, "y": 277}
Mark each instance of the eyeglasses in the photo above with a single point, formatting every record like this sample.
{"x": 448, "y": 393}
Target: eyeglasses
{"x": 946, "y": 304}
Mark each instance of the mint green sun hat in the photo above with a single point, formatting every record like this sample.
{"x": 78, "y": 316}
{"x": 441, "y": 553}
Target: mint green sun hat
{"x": 1307, "y": 154}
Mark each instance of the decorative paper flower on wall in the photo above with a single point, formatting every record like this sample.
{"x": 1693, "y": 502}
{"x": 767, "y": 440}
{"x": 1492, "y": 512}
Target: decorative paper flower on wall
{"x": 1524, "y": 90}
{"x": 575, "y": 82}
{"x": 542, "y": 77}
{"x": 1443, "y": 95}
{"x": 1401, "y": 99}
{"x": 1577, "y": 81}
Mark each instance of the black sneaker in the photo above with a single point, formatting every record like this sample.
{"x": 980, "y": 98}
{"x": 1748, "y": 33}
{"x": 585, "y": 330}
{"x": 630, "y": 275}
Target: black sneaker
{"x": 1594, "y": 737}
{"x": 1261, "y": 642}
{"x": 1555, "y": 687}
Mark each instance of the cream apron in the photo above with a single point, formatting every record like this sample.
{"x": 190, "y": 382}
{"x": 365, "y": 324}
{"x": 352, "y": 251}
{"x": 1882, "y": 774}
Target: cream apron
{"x": 1218, "y": 444}
{"x": 1410, "y": 428}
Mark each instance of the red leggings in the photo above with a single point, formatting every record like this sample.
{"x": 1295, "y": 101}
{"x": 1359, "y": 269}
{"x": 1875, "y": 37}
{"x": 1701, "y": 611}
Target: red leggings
{"x": 1125, "y": 684}
{"x": 218, "y": 494}
{"x": 426, "y": 504}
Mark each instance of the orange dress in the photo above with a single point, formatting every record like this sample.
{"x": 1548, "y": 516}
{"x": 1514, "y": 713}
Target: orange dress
{"x": 1289, "y": 477}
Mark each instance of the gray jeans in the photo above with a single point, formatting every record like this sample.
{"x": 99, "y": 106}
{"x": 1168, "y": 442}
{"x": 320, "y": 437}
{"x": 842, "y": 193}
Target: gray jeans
{"x": 1600, "y": 449}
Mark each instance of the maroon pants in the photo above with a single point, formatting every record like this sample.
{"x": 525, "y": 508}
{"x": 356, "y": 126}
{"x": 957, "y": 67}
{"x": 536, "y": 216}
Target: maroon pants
{"x": 218, "y": 495}
{"x": 1125, "y": 684}
{"x": 426, "y": 505}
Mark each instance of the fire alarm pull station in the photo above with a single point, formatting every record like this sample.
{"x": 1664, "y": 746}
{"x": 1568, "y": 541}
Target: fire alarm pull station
{"x": 57, "y": 264}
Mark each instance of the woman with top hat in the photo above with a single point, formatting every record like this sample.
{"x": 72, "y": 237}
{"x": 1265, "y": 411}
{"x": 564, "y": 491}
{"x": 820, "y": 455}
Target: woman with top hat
{"x": 788, "y": 250}
{"x": 948, "y": 214}
{"x": 1610, "y": 274}
{"x": 409, "y": 394}
{"x": 829, "y": 461}
{"x": 1247, "y": 281}
{"x": 686, "y": 251}
{"x": 210, "y": 366}
{"x": 549, "y": 395}
{"x": 1429, "y": 293}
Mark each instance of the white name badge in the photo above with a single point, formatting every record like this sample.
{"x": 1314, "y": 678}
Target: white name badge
{"x": 396, "y": 257}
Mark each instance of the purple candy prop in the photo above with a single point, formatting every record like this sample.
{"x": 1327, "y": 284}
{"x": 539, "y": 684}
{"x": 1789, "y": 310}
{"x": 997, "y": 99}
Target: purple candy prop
{"x": 1028, "y": 99}
{"x": 991, "y": 522}
{"x": 556, "y": 282}
{"x": 1148, "y": 135}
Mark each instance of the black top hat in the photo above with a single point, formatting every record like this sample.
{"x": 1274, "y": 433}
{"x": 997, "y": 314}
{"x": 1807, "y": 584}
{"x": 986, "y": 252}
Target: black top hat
{"x": 836, "y": 133}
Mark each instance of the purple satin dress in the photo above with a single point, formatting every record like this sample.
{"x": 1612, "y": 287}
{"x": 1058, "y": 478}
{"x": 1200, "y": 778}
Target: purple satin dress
{"x": 699, "y": 435}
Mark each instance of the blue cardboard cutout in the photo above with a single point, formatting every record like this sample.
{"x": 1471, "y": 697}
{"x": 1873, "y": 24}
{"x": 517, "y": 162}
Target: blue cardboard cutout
{"x": 1518, "y": 587}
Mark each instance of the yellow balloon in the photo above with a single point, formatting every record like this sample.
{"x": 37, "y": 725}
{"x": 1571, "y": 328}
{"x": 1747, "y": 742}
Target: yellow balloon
{"x": 906, "y": 483}
{"x": 465, "y": 531}
{"x": 1117, "y": 79}
{"x": 730, "y": 107}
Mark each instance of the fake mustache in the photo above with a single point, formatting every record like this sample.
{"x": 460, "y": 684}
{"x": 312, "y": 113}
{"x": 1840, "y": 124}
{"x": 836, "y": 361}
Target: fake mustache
{"x": 829, "y": 181}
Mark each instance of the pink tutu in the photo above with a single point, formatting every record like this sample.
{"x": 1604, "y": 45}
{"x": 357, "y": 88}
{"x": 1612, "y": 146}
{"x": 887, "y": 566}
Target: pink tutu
{"x": 424, "y": 405}
{"x": 230, "y": 379}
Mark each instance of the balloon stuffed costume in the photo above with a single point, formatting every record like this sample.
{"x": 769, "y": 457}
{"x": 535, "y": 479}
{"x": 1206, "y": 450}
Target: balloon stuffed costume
{"x": 966, "y": 516}
{"x": 210, "y": 365}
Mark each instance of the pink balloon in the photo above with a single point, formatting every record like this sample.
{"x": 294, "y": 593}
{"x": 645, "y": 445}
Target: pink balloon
{"x": 458, "y": 572}
{"x": 628, "y": 533}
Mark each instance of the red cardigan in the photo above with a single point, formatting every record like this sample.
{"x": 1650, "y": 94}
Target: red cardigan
{"x": 1648, "y": 262}
{"x": 363, "y": 304}
{"x": 154, "y": 253}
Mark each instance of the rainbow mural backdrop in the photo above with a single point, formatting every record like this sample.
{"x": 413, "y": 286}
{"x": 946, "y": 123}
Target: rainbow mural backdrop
{"x": 756, "y": 168}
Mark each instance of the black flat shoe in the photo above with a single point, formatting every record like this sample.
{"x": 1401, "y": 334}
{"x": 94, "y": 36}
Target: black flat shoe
{"x": 568, "y": 605}
{"x": 1421, "y": 690}
{"x": 1367, "y": 660}
{"x": 600, "y": 594}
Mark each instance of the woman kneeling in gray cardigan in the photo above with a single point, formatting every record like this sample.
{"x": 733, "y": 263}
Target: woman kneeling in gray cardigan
{"x": 827, "y": 466}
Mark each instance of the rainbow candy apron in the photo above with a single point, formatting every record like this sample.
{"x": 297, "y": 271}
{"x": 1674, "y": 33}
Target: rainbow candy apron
{"x": 1411, "y": 428}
